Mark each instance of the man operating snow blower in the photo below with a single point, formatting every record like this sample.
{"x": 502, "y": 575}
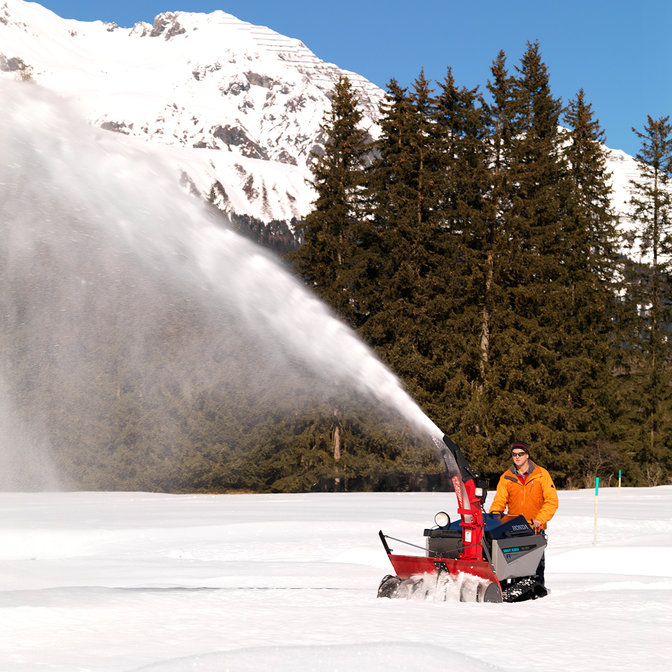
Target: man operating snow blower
{"x": 528, "y": 490}
{"x": 482, "y": 557}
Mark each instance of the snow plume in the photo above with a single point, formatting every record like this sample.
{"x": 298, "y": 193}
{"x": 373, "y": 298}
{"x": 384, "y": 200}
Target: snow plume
{"x": 25, "y": 463}
{"x": 101, "y": 250}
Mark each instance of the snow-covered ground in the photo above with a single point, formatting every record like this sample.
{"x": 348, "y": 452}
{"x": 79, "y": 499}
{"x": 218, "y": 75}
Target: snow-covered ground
{"x": 134, "y": 581}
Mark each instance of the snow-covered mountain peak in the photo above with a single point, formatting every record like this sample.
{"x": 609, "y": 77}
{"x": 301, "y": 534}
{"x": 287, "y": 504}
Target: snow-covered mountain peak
{"x": 242, "y": 103}
{"x": 235, "y": 106}
{"x": 238, "y": 34}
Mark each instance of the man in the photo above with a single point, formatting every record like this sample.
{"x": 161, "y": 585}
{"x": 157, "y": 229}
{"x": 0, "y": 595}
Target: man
{"x": 527, "y": 489}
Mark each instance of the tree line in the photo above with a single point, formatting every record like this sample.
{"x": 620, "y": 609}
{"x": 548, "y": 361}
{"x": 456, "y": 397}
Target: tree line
{"x": 473, "y": 244}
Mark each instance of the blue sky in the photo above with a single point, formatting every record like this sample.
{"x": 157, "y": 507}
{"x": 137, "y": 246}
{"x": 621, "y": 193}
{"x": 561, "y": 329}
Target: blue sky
{"x": 616, "y": 50}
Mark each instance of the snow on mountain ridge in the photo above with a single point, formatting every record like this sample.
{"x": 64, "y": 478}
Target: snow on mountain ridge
{"x": 230, "y": 94}
{"x": 290, "y": 51}
{"x": 234, "y": 105}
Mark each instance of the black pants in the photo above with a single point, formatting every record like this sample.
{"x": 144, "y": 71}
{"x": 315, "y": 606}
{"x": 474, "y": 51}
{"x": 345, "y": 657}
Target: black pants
{"x": 540, "y": 569}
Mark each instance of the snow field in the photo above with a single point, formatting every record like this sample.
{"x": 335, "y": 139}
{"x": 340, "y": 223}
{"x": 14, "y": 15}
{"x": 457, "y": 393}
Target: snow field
{"x": 134, "y": 581}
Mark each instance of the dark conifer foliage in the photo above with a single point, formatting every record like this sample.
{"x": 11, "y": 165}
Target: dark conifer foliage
{"x": 401, "y": 189}
{"x": 328, "y": 258}
{"x": 495, "y": 282}
{"x": 651, "y": 205}
{"x": 279, "y": 236}
{"x": 594, "y": 270}
{"x": 527, "y": 325}
{"x": 463, "y": 281}
{"x": 592, "y": 219}
{"x": 503, "y": 130}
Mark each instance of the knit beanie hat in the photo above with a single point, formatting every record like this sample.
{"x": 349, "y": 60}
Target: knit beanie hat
{"x": 520, "y": 446}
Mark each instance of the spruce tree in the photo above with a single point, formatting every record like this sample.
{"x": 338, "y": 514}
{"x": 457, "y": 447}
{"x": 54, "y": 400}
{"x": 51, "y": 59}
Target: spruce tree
{"x": 526, "y": 371}
{"x": 593, "y": 270}
{"x": 502, "y": 132}
{"x": 651, "y": 210}
{"x": 501, "y": 119}
{"x": 463, "y": 239}
{"x": 401, "y": 191}
{"x": 328, "y": 259}
{"x": 592, "y": 217}
{"x": 360, "y": 266}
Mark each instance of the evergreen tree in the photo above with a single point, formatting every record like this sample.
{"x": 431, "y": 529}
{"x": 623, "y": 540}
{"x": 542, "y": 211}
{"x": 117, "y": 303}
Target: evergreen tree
{"x": 353, "y": 259}
{"x": 593, "y": 269}
{"x": 502, "y": 132}
{"x": 652, "y": 213}
{"x": 464, "y": 241}
{"x": 527, "y": 372}
{"x": 501, "y": 119}
{"x": 327, "y": 259}
{"x": 592, "y": 219}
{"x": 401, "y": 190}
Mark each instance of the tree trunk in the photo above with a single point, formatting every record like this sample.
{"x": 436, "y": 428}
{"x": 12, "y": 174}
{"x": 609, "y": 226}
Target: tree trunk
{"x": 337, "y": 447}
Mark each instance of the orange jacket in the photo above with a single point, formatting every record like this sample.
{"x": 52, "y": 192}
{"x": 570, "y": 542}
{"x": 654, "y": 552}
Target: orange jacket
{"x": 537, "y": 499}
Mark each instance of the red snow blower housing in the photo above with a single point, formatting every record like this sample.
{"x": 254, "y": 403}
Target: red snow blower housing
{"x": 483, "y": 557}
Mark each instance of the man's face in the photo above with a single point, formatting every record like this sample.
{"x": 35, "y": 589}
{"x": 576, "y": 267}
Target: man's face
{"x": 520, "y": 459}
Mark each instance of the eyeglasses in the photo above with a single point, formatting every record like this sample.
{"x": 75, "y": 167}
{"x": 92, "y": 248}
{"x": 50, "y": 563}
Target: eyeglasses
{"x": 518, "y": 454}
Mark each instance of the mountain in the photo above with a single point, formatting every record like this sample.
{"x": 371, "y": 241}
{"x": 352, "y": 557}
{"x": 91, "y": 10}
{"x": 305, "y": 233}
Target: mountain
{"x": 235, "y": 106}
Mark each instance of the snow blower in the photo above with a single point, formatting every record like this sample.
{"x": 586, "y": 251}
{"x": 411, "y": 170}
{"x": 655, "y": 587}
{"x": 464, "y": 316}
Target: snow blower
{"x": 483, "y": 557}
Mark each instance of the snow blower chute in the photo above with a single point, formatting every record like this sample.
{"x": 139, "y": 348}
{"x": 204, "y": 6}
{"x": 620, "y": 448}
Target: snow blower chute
{"x": 483, "y": 557}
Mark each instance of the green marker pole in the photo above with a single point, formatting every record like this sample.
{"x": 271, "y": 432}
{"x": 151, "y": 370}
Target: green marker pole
{"x": 619, "y": 482}
{"x": 597, "y": 488}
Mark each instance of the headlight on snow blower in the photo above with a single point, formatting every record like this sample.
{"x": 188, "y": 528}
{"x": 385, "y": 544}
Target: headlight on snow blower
{"x": 442, "y": 519}
{"x": 481, "y": 489}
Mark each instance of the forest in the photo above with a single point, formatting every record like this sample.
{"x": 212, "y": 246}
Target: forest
{"x": 471, "y": 244}
{"x": 474, "y": 246}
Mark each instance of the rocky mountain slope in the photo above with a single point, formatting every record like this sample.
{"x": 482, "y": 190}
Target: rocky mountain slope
{"x": 234, "y": 106}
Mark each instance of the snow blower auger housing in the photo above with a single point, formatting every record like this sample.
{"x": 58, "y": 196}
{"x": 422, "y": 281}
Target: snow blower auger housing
{"x": 482, "y": 557}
